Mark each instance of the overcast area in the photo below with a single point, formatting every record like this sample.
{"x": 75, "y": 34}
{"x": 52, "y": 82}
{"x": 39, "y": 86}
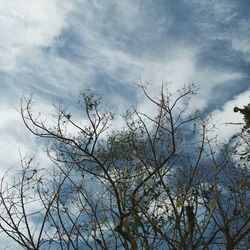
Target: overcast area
{"x": 52, "y": 49}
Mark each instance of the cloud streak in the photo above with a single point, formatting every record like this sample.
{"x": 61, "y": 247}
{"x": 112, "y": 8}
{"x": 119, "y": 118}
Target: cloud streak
{"x": 55, "y": 48}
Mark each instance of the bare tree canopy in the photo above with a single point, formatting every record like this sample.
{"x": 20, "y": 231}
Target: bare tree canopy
{"x": 160, "y": 182}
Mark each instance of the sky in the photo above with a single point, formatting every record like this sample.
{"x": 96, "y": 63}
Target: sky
{"x": 52, "y": 49}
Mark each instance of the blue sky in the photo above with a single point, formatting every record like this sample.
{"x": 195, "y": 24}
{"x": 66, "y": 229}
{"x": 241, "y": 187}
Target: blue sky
{"x": 54, "y": 48}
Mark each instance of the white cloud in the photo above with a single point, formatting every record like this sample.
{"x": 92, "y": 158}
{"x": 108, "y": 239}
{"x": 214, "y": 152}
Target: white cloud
{"x": 122, "y": 40}
{"x": 27, "y": 24}
{"x": 241, "y": 38}
{"x": 221, "y": 12}
{"x": 16, "y": 141}
{"x": 226, "y": 115}
{"x": 178, "y": 68}
{"x": 110, "y": 36}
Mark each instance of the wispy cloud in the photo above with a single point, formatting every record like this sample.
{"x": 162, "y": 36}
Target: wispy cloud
{"x": 27, "y": 25}
{"x": 55, "y": 48}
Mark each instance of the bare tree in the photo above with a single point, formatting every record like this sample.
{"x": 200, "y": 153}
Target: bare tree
{"x": 161, "y": 182}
